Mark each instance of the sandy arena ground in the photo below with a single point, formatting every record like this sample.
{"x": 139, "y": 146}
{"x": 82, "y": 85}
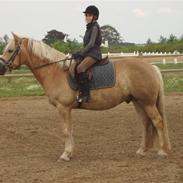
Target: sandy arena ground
{"x": 31, "y": 142}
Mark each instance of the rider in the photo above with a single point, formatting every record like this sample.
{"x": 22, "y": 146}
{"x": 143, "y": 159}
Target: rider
{"x": 90, "y": 53}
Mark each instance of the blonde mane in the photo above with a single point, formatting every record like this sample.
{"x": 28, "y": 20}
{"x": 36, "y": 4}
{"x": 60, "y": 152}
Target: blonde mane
{"x": 45, "y": 52}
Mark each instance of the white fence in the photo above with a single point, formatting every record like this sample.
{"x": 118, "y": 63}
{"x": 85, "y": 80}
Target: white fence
{"x": 136, "y": 53}
{"x": 157, "y": 57}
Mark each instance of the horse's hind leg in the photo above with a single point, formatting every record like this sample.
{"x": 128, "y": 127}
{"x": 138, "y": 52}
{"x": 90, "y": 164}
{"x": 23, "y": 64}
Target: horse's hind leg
{"x": 157, "y": 120}
{"x": 146, "y": 142}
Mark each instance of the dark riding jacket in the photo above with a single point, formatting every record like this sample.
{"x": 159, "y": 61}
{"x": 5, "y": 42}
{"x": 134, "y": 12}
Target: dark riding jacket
{"x": 92, "y": 41}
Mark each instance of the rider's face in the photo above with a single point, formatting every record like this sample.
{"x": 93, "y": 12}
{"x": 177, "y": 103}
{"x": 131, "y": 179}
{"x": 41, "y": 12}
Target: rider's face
{"x": 88, "y": 18}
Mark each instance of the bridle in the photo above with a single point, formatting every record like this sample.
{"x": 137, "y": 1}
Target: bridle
{"x": 9, "y": 62}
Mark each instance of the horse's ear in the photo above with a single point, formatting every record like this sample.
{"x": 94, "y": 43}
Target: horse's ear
{"x": 17, "y": 38}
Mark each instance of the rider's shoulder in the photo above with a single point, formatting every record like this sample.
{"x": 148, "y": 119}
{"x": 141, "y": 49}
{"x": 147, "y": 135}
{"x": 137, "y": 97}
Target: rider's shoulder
{"x": 96, "y": 25}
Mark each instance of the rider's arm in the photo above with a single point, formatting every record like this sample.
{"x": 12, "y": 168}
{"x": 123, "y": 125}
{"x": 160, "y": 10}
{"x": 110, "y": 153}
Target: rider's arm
{"x": 91, "y": 42}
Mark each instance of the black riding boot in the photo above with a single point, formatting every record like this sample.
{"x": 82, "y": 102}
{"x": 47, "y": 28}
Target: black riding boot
{"x": 84, "y": 92}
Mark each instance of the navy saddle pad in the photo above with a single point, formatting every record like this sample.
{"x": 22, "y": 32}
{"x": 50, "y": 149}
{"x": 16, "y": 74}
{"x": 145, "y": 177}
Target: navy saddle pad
{"x": 103, "y": 76}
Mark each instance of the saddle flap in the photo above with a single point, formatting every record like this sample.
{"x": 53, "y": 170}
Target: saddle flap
{"x": 102, "y": 77}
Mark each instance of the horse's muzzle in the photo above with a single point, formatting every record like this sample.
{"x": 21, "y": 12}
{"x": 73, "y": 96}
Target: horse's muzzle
{"x": 3, "y": 67}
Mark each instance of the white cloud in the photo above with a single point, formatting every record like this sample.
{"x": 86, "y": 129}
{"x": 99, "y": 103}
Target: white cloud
{"x": 139, "y": 12}
{"x": 164, "y": 10}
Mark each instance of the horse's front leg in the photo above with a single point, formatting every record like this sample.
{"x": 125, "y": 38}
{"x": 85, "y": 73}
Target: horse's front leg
{"x": 67, "y": 128}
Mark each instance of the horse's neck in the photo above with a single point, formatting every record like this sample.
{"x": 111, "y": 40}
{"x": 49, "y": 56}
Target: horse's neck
{"x": 46, "y": 75}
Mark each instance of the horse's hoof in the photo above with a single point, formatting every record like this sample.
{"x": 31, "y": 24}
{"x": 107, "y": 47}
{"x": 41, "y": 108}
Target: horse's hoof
{"x": 162, "y": 154}
{"x": 141, "y": 152}
{"x": 65, "y": 156}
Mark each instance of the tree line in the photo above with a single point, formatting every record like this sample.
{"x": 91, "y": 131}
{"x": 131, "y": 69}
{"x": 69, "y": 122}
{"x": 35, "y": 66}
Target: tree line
{"x": 164, "y": 45}
{"x": 116, "y": 43}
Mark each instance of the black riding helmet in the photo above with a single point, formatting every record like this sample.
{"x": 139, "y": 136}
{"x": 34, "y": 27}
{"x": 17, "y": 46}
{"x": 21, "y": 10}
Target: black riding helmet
{"x": 92, "y": 10}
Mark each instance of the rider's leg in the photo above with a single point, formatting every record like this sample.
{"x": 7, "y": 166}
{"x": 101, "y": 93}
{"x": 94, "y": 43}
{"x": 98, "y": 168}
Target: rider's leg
{"x": 83, "y": 87}
{"x": 83, "y": 78}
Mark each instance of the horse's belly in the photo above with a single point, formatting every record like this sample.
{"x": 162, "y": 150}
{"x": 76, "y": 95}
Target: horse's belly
{"x": 104, "y": 99}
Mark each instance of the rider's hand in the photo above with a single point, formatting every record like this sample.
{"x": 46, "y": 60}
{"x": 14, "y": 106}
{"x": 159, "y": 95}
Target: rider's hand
{"x": 76, "y": 55}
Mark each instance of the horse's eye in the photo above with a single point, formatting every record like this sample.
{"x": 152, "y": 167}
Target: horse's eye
{"x": 10, "y": 50}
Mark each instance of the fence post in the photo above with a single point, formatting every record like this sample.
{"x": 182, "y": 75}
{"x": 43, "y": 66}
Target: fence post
{"x": 164, "y": 61}
{"x": 175, "y": 60}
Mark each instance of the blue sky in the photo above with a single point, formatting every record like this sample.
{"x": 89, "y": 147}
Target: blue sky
{"x": 135, "y": 20}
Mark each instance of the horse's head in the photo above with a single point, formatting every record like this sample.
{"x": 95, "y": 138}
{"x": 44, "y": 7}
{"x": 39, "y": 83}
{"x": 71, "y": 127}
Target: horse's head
{"x": 14, "y": 54}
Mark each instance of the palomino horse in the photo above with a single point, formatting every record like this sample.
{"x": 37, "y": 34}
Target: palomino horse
{"x": 136, "y": 81}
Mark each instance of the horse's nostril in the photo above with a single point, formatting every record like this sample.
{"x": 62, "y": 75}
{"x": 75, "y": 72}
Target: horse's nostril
{"x": 3, "y": 68}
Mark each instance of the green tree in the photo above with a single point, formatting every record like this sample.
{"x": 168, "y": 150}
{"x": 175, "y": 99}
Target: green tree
{"x": 149, "y": 41}
{"x": 172, "y": 38}
{"x": 162, "y": 39}
{"x": 2, "y": 45}
{"x": 181, "y": 38}
{"x": 54, "y": 35}
{"x": 111, "y": 35}
{"x": 6, "y": 38}
{"x": 66, "y": 47}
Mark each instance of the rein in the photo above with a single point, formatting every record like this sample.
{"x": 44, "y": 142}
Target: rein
{"x": 48, "y": 64}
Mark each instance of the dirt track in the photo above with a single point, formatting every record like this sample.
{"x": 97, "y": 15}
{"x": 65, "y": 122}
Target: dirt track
{"x": 31, "y": 142}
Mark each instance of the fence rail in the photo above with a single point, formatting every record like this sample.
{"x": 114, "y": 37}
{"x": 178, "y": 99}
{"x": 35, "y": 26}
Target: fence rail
{"x": 147, "y": 54}
{"x": 154, "y": 58}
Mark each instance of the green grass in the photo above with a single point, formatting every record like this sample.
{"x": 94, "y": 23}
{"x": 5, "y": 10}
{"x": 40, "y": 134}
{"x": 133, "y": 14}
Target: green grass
{"x": 20, "y": 87}
{"x": 173, "y": 82}
{"x": 22, "y": 70}
{"x": 170, "y": 66}
{"x": 30, "y": 87}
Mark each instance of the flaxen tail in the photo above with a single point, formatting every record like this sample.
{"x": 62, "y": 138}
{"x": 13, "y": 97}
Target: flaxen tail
{"x": 161, "y": 109}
